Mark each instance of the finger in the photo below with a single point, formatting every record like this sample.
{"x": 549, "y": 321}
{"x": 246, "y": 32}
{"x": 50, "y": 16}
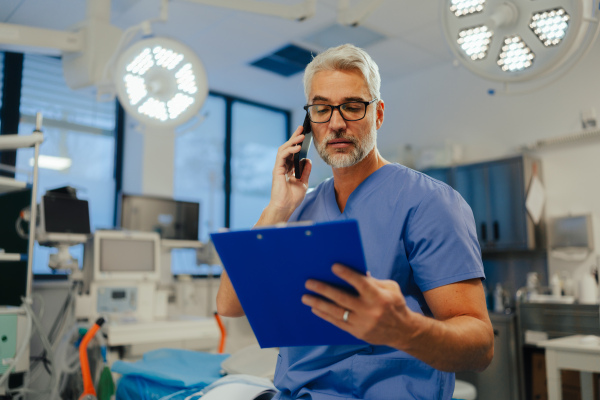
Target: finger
{"x": 299, "y": 130}
{"x": 284, "y": 158}
{"x": 339, "y": 322}
{"x": 292, "y": 142}
{"x": 337, "y": 296}
{"x": 333, "y": 311}
{"x": 363, "y": 284}
{"x": 306, "y": 168}
{"x": 296, "y": 138}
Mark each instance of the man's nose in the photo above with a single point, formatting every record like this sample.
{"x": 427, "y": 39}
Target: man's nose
{"x": 336, "y": 121}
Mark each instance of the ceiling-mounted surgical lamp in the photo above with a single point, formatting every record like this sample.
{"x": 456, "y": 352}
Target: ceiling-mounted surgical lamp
{"x": 160, "y": 82}
{"x": 519, "y": 40}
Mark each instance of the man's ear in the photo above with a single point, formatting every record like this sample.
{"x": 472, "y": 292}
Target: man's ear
{"x": 379, "y": 113}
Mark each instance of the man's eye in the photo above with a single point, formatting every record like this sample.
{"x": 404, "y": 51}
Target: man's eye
{"x": 352, "y": 108}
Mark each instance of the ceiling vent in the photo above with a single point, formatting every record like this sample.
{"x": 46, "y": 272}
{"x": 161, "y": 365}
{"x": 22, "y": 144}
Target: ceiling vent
{"x": 287, "y": 61}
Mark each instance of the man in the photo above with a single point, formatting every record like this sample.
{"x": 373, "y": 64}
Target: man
{"x": 421, "y": 308}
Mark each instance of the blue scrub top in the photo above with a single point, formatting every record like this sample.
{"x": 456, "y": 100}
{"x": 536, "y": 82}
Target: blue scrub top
{"x": 415, "y": 230}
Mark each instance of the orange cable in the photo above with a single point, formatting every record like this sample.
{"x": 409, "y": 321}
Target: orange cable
{"x": 223, "y": 333}
{"x": 88, "y": 384}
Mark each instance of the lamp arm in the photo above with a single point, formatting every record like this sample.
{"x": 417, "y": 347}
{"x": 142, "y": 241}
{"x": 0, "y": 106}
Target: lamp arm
{"x": 299, "y": 12}
{"x": 22, "y": 35}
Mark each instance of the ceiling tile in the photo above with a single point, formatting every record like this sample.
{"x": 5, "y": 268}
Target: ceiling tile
{"x": 431, "y": 40}
{"x": 394, "y": 18}
{"x": 58, "y": 15}
{"x": 8, "y": 8}
{"x": 397, "y": 58}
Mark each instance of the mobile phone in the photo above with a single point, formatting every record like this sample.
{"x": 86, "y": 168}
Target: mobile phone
{"x": 304, "y": 149}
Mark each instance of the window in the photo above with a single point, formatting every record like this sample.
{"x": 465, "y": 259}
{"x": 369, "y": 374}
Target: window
{"x": 200, "y": 163}
{"x": 199, "y": 177}
{"x": 257, "y": 133}
{"x": 77, "y": 130}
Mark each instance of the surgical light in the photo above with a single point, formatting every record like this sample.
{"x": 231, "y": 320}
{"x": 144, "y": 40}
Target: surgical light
{"x": 519, "y": 40}
{"x": 465, "y": 7}
{"x": 160, "y": 82}
{"x": 475, "y": 41}
{"x": 550, "y": 26}
{"x": 515, "y": 55}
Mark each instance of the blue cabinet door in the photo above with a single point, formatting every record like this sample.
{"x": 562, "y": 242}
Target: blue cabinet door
{"x": 495, "y": 191}
{"x": 471, "y": 182}
{"x": 508, "y": 216}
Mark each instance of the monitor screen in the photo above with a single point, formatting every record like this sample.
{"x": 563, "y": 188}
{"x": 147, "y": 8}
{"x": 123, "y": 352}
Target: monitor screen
{"x": 66, "y": 215}
{"x": 172, "y": 219}
{"x": 126, "y": 255}
{"x": 571, "y": 232}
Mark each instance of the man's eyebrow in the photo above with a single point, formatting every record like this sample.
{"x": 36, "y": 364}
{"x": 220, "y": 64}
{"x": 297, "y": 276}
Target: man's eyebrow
{"x": 319, "y": 98}
{"x": 346, "y": 99}
{"x": 353, "y": 99}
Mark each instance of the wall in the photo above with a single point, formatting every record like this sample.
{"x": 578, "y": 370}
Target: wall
{"x": 449, "y": 104}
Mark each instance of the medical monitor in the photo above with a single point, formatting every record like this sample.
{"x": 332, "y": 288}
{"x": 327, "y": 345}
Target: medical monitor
{"x": 171, "y": 219}
{"x": 66, "y": 215}
{"x": 63, "y": 219}
{"x": 571, "y": 232}
{"x": 125, "y": 256}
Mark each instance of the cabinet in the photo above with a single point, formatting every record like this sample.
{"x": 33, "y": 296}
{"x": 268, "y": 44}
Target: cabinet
{"x": 496, "y": 192}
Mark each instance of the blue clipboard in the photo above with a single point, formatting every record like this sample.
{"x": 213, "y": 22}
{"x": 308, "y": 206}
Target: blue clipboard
{"x": 268, "y": 268}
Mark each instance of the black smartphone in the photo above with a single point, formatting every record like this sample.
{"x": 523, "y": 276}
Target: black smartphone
{"x": 304, "y": 149}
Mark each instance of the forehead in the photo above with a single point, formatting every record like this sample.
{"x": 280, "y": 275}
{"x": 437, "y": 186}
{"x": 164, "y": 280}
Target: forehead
{"x": 338, "y": 85}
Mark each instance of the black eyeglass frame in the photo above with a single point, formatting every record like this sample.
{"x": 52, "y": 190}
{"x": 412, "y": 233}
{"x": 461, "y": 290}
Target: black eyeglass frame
{"x": 339, "y": 108}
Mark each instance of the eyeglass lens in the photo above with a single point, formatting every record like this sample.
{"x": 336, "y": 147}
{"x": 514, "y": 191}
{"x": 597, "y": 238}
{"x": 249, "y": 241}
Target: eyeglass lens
{"x": 350, "y": 111}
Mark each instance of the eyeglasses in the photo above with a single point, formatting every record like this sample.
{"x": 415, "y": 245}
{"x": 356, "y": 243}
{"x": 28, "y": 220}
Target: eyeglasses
{"x": 351, "y": 111}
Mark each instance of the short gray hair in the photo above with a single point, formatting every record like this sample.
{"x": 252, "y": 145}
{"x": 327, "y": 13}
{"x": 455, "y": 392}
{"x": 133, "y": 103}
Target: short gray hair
{"x": 344, "y": 58}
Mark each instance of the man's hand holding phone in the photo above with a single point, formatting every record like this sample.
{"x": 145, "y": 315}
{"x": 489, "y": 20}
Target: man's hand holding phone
{"x": 287, "y": 191}
{"x": 304, "y": 147}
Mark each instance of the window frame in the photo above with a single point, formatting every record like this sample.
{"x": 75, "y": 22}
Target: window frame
{"x": 229, "y": 102}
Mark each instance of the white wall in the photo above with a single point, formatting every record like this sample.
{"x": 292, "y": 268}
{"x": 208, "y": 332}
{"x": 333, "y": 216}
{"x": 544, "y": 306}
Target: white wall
{"x": 449, "y": 104}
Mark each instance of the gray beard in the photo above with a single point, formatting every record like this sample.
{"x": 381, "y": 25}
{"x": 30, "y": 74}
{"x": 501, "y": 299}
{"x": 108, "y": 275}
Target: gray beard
{"x": 340, "y": 159}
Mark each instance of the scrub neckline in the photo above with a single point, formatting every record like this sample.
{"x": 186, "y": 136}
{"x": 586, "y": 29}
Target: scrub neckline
{"x": 370, "y": 183}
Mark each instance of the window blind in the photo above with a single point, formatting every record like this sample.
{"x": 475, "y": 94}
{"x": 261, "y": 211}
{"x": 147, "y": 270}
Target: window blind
{"x": 45, "y": 90}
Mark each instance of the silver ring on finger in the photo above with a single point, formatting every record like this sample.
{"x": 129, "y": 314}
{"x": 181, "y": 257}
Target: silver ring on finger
{"x": 346, "y": 315}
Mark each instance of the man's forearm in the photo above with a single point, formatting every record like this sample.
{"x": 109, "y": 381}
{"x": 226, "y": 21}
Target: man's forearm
{"x": 228, "y": 304}
{"x": 272, "y": 215}
{"x": 462, "y": 343}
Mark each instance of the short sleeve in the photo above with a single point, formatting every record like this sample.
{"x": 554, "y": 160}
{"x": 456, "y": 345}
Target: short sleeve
{"x": 441, "y": 241}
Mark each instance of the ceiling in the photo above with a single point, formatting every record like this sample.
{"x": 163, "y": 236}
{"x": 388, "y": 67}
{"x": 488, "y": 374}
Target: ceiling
{"x": 227, "y": 41}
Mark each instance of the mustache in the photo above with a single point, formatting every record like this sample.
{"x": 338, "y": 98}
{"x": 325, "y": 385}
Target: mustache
{"x": 339, "y": 135}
